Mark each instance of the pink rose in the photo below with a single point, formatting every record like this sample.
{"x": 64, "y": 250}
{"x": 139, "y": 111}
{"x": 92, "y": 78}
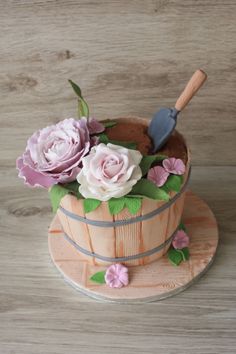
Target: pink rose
{"x": 158, "y": 175}
{"x": 109, "y": 171}
{"x": 117, "y": 276}
{"x": 54, "y": 154}
{"x": 181, "y": 240}
{"x": 173, "y": 165}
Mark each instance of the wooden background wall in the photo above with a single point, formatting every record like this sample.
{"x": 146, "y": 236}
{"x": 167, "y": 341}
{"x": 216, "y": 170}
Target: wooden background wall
{"x": 130, "y": 57}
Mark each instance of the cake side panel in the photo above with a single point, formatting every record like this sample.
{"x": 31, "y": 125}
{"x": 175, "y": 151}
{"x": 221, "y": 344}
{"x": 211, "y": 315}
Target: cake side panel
{"x": 103, "y": 239}
{"x": 74, "y": 229}
{"x": 128, "y": 238}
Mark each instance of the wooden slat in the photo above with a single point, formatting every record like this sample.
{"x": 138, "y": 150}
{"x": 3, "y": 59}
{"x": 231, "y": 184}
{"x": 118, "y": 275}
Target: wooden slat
{"x": 78, "y": 231}
{"x": 103, "y": 240}
{"x": 128, "y": 238}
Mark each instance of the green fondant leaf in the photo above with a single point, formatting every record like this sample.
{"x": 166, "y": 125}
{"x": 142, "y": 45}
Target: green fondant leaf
{"x": 148, "y": 160}
{"x": 174, "y": 256}
{"x": 146, "y": 163}
{"x": 91, "y": 204}
{"x": 133, "y": 204}
{"x": 83, "y": 109}
{"x": 173, "y": 183}
{"x": 76, "y": 88}
{"x": 127, "y": 144}
{"x": 99, "y": 277}
{"x": 165, "y": 188}
{"x": 57, "y": 192}
{"x": 103, "y": 138}
{"x": 73, "y": 188}
{"x": 146, "y": 188}
{"x": 109, "y": 123}
{"x": 182, "y": 226}
{"x": 184, "y": 253}
{"x": 116, "y": 205}
{"x": 161, "y": 157}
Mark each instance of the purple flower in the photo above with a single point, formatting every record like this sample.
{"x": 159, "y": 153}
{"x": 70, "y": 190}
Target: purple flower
{"x": 158, "y": 175}
{"x": 94, "y": 126}
{"x": 117, "y": 276}
{"x": 181, "y": 240}
{"x": 53, "y": 155}
{"x": 173, "y": 165}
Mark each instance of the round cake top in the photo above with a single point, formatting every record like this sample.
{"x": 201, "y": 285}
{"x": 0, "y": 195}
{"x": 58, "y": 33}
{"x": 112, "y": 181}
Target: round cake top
{"x": 135, "y": 129}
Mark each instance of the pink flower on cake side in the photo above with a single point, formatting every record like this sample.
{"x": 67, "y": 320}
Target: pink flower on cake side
{"x": 117, "y": 276}
{"x": 173, "y": 165}
{"x": 54, "y": 154}
{"x": 181, "y": 240}
{"x": 158, "y": 175}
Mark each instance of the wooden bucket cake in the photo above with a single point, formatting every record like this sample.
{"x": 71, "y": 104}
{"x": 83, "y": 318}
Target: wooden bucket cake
{"x": 103, "y": 239}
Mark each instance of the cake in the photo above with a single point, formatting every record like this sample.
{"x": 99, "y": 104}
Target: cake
{"x": 152, "y": 235}
{"x": 118, "y": 202}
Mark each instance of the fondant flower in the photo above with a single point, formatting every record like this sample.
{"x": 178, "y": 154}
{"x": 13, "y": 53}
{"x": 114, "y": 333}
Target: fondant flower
{"x": 109, "y": 171}
{"x": 94, "y": 126}
{"x": 158, "y": 175}
{"x": 181, "y": 240}
{"x": 117, "y": 276}
{"x": 53, "y": 155}
{"x": 173, "y": 165}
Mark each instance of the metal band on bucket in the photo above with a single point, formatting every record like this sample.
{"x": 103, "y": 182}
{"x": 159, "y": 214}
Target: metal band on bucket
{"x": 129, "y": 221}
{"x": 120, "y": 259}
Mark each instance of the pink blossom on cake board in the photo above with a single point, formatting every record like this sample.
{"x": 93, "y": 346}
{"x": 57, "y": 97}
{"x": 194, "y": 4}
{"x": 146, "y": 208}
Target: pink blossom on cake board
{"x": 117, "y": 276}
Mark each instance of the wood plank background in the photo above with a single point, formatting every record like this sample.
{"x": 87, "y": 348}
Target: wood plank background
{"x": 130, "y": 57}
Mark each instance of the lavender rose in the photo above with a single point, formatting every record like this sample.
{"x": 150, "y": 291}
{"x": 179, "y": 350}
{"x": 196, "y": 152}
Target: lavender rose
{"x": 54, "y": 154}
{"x": 109, "y": 171}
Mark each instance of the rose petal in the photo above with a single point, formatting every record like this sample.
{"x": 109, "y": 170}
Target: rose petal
{"x": 94, "y": 126}
{"x": 33, "y": 178}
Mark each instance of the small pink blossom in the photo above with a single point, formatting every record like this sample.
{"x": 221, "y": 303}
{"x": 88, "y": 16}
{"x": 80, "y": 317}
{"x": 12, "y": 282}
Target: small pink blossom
{"x": 117, "y": 276}
{"x": 181, "y": 240}
{"x": 158, "y": 175}
{"x": 173, "y": 165}
{"x": 94, "y": 126}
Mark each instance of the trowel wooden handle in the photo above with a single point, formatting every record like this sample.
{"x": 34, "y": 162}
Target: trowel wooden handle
{"x": 194, "y": 84}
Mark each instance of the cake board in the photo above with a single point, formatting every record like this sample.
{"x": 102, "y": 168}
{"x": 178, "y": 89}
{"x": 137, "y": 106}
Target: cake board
{"x": 151, "y": 282}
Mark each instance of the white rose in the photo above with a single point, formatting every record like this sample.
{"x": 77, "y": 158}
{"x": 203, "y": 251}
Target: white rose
{"x": 109, "y": 171}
